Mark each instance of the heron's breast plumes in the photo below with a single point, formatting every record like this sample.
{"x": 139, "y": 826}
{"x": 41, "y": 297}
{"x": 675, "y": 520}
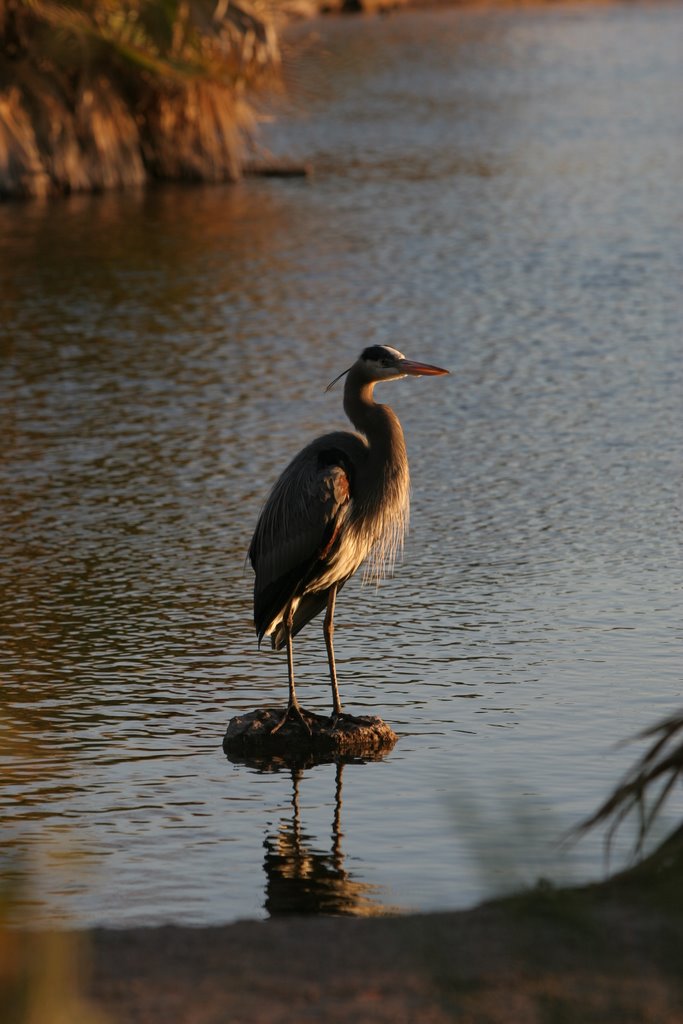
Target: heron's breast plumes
{"x": 389, "y": 519}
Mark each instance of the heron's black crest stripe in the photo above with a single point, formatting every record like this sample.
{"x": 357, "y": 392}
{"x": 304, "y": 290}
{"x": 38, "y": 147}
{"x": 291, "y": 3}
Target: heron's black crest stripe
{"x": 377, "y": 353}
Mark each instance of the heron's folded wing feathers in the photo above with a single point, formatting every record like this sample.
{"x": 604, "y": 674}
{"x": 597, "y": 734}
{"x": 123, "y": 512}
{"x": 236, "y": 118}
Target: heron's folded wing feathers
{"x": 297, "y": 527}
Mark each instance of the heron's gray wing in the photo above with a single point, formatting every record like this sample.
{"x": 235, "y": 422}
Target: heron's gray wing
{"x": 298, "y": 526}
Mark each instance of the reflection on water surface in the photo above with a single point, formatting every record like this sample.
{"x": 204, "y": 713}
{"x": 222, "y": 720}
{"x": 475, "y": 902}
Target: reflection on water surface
{"x": 495, "y": 192}
{"x": 303, "y": 879}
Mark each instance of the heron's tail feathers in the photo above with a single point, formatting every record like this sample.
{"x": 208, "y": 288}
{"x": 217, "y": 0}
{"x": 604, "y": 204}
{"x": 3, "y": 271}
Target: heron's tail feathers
{"x": 308, "y": 607}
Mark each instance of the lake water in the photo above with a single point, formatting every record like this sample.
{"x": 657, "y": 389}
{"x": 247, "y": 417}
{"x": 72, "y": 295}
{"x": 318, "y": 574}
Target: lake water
{"x": 497, "y": 192}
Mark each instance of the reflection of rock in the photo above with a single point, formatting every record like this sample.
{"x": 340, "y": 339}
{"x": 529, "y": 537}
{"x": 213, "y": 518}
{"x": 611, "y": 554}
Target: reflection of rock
{"x": 303, "y": 880}
{"x": 251, "y": 735}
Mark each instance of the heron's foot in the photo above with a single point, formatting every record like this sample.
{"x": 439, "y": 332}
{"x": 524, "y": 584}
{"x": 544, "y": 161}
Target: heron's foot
{"x": 293, "y": 711}
{"x": 335, "y": 717}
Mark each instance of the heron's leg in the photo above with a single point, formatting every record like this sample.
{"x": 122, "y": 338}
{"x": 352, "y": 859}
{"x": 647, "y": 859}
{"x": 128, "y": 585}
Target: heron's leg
{"x": 293, "y": 706}
{"x": 328, "y": 630}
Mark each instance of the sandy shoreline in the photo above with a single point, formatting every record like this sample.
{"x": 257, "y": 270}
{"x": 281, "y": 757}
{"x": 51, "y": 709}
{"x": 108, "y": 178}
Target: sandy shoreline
{"x": 609, "y": 952}
{"x": 483, "y": 965}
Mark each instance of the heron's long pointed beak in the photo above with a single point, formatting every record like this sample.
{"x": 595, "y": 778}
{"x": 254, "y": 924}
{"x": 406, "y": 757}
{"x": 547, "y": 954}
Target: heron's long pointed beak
{"x": 420, "y": 369}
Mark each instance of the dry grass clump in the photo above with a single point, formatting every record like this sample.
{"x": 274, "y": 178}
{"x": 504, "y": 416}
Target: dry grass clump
{"x": 101, "y": 94}
{"x": 43, "y": 978}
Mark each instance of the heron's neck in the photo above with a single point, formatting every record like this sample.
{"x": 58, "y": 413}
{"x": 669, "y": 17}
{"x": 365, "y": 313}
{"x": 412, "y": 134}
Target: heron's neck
{"x": 381, "y": 487}
{"x": 378, "y": 423}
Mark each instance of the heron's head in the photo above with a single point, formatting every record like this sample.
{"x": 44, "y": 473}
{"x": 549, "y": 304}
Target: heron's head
{"x": 382, "y": 362}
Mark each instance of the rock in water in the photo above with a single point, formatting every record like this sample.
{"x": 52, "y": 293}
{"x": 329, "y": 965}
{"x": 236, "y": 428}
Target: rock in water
{"x": 350, "y": 735}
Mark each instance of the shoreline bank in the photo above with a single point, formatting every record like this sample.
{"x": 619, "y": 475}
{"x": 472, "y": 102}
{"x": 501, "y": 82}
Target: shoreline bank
{"x": 605, "y": 952}
{"x": 113, "y": 108}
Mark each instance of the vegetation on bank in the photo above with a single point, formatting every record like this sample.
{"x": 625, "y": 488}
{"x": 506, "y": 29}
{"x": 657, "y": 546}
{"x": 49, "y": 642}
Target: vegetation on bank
{"x": 99, "y": 94}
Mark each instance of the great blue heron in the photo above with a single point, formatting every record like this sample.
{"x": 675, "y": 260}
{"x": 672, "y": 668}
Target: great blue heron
{"x": 342, "y": 498}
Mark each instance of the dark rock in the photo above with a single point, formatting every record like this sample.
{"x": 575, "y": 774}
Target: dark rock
{"x": 277, "y": 169}
{"x": 249, "y": 737}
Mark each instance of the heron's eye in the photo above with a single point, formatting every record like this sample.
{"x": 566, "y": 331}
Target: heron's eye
{"x": 387, "y": 362}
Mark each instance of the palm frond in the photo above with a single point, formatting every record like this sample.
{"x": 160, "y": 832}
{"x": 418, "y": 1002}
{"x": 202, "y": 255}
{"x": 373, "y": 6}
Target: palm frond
{"x": 175, "y": 81}
{"x": 646, "y": 786}
{"x": 171, "y": 39}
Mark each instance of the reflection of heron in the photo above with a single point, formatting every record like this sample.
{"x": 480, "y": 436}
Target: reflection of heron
{"x": 342, "y": 498}
{"x": 303, "y": 880}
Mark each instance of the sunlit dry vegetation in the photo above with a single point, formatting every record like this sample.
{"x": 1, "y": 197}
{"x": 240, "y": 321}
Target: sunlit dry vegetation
{"x": 43, "y": 977}
{"x": 98, "y": 94}
{"x": 42, "y": 973}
